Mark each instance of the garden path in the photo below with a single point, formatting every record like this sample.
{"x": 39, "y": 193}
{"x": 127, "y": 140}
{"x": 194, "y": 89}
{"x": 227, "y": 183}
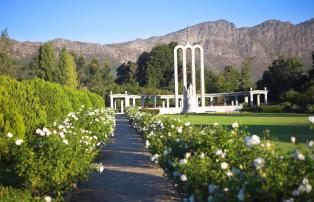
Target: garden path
{"x": 129, "y": 174}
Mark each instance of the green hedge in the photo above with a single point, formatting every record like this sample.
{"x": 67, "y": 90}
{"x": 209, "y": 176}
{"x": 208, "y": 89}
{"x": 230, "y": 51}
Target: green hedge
{"x": 35, "y": 103}
{"x": 48, "y": 164}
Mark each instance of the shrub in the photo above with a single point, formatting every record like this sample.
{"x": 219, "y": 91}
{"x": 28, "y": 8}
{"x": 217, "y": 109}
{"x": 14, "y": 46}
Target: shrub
{"x": 49, "y": 134}
{"x": 150, "y": 111}
{"x": 272, "y": 108}
{"x": 215, "y": 163}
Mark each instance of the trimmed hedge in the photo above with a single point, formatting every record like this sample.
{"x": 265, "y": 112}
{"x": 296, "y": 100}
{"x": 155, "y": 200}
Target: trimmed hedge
{"x": 34, "y": 103}
{"x": 49, "y": 135}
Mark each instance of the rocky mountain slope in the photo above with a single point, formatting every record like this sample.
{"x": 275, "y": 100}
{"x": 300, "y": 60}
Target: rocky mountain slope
{"x": 224, "y": 44}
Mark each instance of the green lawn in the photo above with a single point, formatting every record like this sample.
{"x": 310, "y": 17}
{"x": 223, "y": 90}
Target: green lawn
{"x": 281, "y": 125}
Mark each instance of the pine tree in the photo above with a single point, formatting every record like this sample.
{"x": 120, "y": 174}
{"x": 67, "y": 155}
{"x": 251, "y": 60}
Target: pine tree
{"x": 68, "y": 69}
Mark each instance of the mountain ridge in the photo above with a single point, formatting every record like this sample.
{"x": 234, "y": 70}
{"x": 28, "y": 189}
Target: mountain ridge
{"x": 224, "y": 44}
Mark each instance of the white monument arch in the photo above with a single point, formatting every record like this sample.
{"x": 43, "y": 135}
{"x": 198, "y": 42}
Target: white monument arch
{"x": 189, "y": 101}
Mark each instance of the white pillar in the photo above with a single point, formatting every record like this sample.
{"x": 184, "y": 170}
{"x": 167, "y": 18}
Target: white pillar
{"x": 258, "y": 100}
{"x": 193, "y": 71}
{"x": 185, "y": 86}
{"x": 251, "y": 99}
{"x": 232, "y": 103}
{"x": 265, "y": 96}
{"x": 167, "y": 102}
{"x": 202, "y": 77}
{"x": 163, "y": 104}
{"x": 211, "y": 101}
{"x": 134, "y": 102}
{"x": 180, "y": 104}
{"x": 246, "y": 99}
{"x": 155, "y": 102}
{"x": 115, "y": 104}
{"x": 236, "y": 100}
{"x": 122, "y": 107}
{"x": 225, "y": 101}
{"x": 176, "y": 85}
{"x": 111, "y": 101}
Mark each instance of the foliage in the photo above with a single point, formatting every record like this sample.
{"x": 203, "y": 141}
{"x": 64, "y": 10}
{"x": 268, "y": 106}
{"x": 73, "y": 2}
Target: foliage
{"x": 126, "y": 73}
{"x": 47, "y": 67}
{"x": 48, "y": 144}
{"x": 271, "y": 108}
{"x": 245, "y": 79}
{"x": 150, "y": 111}
{"x": 7, "y": 64}
{"x": 282, "y": 71}
{"x": 68, "y": 69}
{"x": 215, "y": 163}
{"x": 229, "y": 80}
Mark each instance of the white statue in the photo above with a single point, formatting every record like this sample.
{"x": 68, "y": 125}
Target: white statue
{"x": 191, "y": 99}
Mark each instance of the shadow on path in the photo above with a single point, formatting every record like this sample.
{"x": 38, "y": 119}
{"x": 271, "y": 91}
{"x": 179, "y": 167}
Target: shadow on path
{"x": 129, "y": 174}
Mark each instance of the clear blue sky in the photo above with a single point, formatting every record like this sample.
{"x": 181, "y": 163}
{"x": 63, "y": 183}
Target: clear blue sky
{"x": 113, "y": 21}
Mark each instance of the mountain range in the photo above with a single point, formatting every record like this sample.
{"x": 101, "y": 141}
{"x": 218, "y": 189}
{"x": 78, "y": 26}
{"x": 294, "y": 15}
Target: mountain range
{"x": 224, "y": 44}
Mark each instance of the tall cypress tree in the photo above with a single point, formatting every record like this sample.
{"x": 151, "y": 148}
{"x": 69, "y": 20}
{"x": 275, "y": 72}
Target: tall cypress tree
{"x": 68, "y": 69}
{"x": 47, "y": 65}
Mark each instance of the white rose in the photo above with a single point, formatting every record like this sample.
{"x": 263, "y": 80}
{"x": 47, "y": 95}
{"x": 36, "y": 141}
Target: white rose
{"x": 224, "y": 165}
{"x": 235, "y": 125}
{"x": 183, "y": 178}
{"x": 18, "y": 142}
{"x": 259, "y": 162}
{"x": 9, "y": 135}
{"x": 293, "y": 139}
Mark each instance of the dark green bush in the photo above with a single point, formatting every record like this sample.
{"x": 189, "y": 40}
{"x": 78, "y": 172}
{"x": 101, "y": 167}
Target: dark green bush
{"x": 150, "y": 111}
{"x": 272, "y": 108}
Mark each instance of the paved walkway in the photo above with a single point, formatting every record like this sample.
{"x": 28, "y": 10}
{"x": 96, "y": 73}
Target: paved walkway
{"x": 129, "y": 174}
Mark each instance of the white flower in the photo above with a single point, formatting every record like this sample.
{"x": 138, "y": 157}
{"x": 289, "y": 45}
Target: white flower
{"x": 147, "y": 143}
{"x": 187, "y": 124}
{"x": 48, "y": 199}
{"x": 235, "y": 125}
{"x": 229, "y": 174}
{"x": 18, "y": 142}
{"x": 300, "y": 156}
{"x": 155, "y": 157}
{"x": 311, "y": 143}
{"x": 183, "y": 178}
{"x": 180, "y": 130}
{"x": 259, "y": 163}
{"x": 305, "y": 181}
{"x": 40, "y": 132}
{"x": 216, "y": 124}
{"x": 241, "y": 195}
{"x": 308, "y": 188}
{"x": 218, "y": 152}
{"x": 9, "y": 135}
{"x": 212, "y": 188}
{"x": 202, "y": 155}
{"x": 187, "y": 155}
{"x": 183, "y": 161}
{"x": 292, "y": 139}
{"x": 253, "y": 140}
{"x": 61, "y": 134}
{"x": 101, "y": 168}
{"x": 311, "y": 119}
{"x": 65, "y": 141}
{"x": 224, "y": 165}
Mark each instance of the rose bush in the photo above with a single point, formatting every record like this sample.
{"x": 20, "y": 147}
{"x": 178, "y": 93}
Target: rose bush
{"x": 49, "y": 135}
{"x": 215, "y": 163}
